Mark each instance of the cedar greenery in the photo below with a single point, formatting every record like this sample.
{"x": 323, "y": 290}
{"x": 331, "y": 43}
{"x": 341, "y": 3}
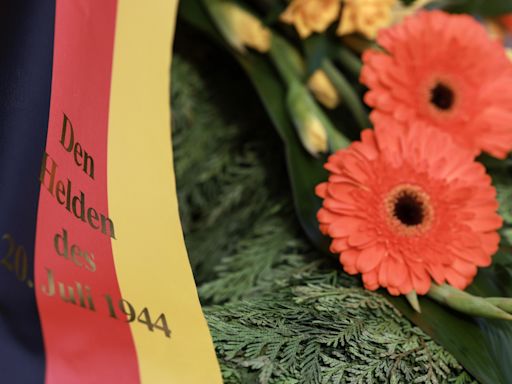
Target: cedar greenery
{"x": 501, "y": 172}
{"x": 279, "y": 312}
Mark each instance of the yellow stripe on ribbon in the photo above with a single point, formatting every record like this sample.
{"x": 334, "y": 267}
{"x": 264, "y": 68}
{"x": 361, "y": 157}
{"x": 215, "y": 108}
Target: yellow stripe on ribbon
{"x": 149, "y": 251}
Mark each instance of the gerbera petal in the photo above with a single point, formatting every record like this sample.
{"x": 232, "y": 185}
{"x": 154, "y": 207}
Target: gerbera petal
{"x": 371, "y": 280}
{"x": 361, "y": 238}
{"x": 464, "y": 268}
{"x": 420, "y": 281}
{"x": 456, "y": 279}
{"x": 397, "y": 272}
{"x": 403, "y": 215}
{"x": 383, "y": 274}
{"x": 490, "y": 243}
{"x": 339, "y": 230}
{"x": 485, "y": 224}
{"x": 348, "y": 260}
{"x": 324, "y": 228}
{"x": 370, "y": 257}
{"x": 341, "y": 192}
{"x": 437, "y": 271}
{"x": 415, "y": 78}
{"x": 476, "y": 255}
{"x": 339, "y": 245}
{"x": 394, "y": 291}
{"x": 406, "y": 286}
{"x": 321, "y": 190}
{"x": 326, "y": 216}
{"x": 335, "y": 205}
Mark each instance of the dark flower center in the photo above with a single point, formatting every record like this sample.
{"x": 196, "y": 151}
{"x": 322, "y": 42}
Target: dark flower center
{"x": 442, "y": 96}
{"x": 409, "y": 209}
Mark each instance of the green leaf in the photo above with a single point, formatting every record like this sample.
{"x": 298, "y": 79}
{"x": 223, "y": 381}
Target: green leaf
{"x": 316, "y": 48}
{"x": 488, "y": 8}
{"x": 483, "y": 346}
{"x": 348, "y": 94}
{"x": 305, "y": 171}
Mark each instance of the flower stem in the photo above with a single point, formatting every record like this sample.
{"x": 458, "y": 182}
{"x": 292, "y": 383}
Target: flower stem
{"x": 347, "y": 93}
{"x": 305, "y": 111}
{"x": 287, "y": 60}
{"x": 349, "y": 60}
{"x": 464, "y": 302}
{"x": 504, "y": 303}
{"x": 301, "y": 103}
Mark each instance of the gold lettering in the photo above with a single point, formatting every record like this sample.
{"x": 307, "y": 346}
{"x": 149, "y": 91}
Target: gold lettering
{"x": 75, "y": 254}
{"x": 49, "y": 290}
{"x": 92, "y": 218}
{"x": 68, "y": 297}
{"x": 104, "y": 221}
{"x": 51, "y": 172}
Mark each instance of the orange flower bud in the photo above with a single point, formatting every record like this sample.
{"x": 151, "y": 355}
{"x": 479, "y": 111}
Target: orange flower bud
{"x": 365, "y": 16}
{"x": 323, "y": 89}
{"x": 310, "y": 16}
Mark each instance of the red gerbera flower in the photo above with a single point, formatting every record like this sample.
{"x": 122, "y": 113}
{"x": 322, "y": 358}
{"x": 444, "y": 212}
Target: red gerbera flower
{"x": 404, "y": 206}
{"x": 445, "y": 70}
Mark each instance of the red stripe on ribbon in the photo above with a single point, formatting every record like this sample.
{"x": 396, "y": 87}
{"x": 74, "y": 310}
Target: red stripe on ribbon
{"x": 84, "y": 343}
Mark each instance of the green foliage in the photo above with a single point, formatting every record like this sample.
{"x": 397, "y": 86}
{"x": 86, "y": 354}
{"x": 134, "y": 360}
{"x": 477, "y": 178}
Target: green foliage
{"x": 309, "y": 332}
{"x": 486, "y": 8}
{"x": 279, "y": 312}
{"x": 502, "y": 179}
{"x": 479, "y": 344}
{"x": 265, "y": 254}
{"x": 503, "y": 182}
{"x": 211, "y": 157}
